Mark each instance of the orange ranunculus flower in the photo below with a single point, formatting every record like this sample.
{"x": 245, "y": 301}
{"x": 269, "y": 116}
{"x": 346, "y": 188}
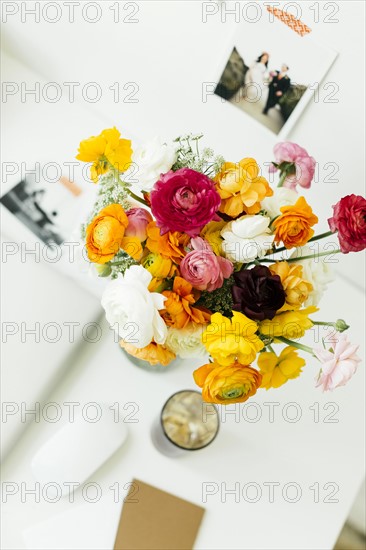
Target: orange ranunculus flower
{"x": 225, "y": 385}
{"x": 241, "y": 188}
{"x": 178, "y": 307}
{"x": 153, "y": 353}
{"x": 293, "y": 227}
{"x": 170, "y": 245}
{"x": 296, "y": 288}
{"x": 105, "y": 236}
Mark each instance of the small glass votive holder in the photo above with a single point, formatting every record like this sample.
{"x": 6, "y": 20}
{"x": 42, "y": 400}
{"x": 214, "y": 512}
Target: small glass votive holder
{"x": 186, "y": 423}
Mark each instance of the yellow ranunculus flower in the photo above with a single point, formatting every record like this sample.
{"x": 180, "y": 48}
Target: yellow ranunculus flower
{"x": 241, "y": 188}
{"x": 104, "y": 151}
{"x": 231, "y": 340}
{"x": 225, "y": 385}
{"x": 290, "y": 324}
{"x": 296, "y": 288}
{"x": 212, "y": 234}
{"x": 158, "y": 266}
{"x": 277, "y": 370}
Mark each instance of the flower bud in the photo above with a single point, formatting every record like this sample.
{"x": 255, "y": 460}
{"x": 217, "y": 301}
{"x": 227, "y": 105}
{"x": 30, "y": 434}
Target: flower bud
{"x": 341, "y": 325}
{"x": 103, "y": 270}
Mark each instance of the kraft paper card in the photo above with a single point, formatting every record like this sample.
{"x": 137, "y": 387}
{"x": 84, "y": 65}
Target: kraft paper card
{"x": 152, "y": 519}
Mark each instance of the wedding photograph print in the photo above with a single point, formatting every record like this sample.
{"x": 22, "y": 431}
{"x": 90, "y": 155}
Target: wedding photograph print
{"x": 270, "y": 73}
{"x": 45, "y": 208}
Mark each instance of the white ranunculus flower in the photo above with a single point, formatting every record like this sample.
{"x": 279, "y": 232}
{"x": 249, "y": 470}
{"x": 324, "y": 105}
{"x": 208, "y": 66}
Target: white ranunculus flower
{"x": 315, "y": 270}
{"x": 132, "y": 311}
{"x": 282, "y": 196}
{"x": 186, "y": 342}
{"x": 152, "y": 159}
{"x": 247, "y": 238}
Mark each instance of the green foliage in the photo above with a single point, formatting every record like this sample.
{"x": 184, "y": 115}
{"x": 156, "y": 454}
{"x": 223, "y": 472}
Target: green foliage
{"x": 111, "y": 190}
{"x": 220, "y": 300}
{"x": 120, "y": 263}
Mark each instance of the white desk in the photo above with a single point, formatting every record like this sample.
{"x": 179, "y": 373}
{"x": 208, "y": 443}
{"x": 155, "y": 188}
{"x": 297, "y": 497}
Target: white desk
{"x": 170, "y": 61}
{"x": 302, "y": 453}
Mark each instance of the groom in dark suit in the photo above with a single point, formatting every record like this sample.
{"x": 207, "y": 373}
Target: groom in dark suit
{"x": 278, "y": 86}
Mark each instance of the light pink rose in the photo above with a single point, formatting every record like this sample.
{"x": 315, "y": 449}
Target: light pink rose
{"x": 339, "y": 363}
{"x": 202, "y": 268}
{"x": 138, "y": 218}
{"x": 303, "y": 164}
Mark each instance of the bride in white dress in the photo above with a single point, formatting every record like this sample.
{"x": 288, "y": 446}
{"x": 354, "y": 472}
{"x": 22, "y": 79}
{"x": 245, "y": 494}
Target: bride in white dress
{"x": 256, "y": 80}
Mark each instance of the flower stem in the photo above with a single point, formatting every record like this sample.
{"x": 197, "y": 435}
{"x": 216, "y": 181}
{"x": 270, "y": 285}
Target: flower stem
{"x": 321, "y": 236}
{"x": 324, "y": 323}
{"x": 295, "y": 344}
{"x": 272, "y": 221}
{"x": 264, "y": 261}
{"x": 282, "y": 178}
{"x": 281, "y": 249}
{"x": 197, "y": 149}
{"x": 139, "y": 199}
{"x": 313, "y": 256}
{"x": 310, "y": 256}
{"x": 270, "y": 348}
{"x": 126, "y": 188}
{"x": 316, "y": 238}
{"x": 340, "y": 325}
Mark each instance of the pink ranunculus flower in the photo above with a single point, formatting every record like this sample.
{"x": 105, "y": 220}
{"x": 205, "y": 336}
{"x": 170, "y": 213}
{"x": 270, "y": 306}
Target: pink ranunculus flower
{"x": 339, "y": 363}
{"x": 303, "y": 164}
{"x": 184, "y": 201}
{"x": 202, "y": 268}
{"x": 349, "y": 219}
{"x": 138, "y": 219}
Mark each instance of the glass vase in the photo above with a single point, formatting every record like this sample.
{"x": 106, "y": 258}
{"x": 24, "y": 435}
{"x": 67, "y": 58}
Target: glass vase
{"x": 145, "y": 365}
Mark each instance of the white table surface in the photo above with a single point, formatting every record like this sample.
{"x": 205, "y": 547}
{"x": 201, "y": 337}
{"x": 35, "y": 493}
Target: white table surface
{"x": 305, "y": 452}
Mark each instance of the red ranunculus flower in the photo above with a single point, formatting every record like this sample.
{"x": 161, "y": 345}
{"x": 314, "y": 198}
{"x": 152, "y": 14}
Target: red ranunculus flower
{"x": 184, "y": 201}
{"x": 349, "y": 219}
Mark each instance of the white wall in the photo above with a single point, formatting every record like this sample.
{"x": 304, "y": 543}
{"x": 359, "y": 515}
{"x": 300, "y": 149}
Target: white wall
{"x": 168, "y": 55}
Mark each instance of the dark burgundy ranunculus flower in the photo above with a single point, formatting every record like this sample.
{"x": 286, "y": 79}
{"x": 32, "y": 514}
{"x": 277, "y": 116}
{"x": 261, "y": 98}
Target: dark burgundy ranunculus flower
{"x": 257, "y": 293}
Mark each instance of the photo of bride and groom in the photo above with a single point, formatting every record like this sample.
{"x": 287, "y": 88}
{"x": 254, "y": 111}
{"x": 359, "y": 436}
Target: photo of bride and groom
{"x": 265, "y": 86}
{"x": 269, "y": 72}
{"x": 262, "y": 89}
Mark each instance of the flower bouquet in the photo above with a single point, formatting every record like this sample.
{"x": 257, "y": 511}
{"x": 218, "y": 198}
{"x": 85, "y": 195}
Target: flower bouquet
{"x": 208, "y": 260}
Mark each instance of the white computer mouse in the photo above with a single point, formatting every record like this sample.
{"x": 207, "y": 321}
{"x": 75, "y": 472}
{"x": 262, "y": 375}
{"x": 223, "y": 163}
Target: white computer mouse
{"x": 78, "y": 449}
